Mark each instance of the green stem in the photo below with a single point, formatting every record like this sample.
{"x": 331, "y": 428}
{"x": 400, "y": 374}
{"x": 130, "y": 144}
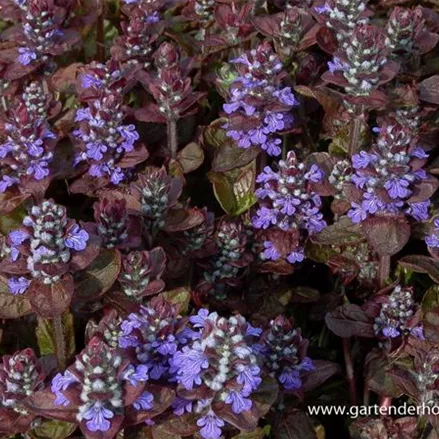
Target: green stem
{"x": 383, "y": 270}
{"x": 171, "y": 128}
{"x": 350, "y": 376}
{"x": 354, "y": 136}
{"x": 60, "y": 345}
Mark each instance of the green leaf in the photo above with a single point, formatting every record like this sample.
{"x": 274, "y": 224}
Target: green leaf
{"x": 234, "y": 189}
{"x": 12, "y": 220}
{"x": 53, "y": 430}
{"x": 99, "y": 276}
{"x": 179, "y": 297}
{"x": 46, "y": 338}
{"x": 421, "y": 264}
{"x": 258, "y": 433}
{"x": 215, "y": 135}
{"x": 190, "y": 157}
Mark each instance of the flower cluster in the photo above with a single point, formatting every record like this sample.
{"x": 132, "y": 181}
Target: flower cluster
{"x": 104, "y": 141}
{"x": 397, "y": 315}
{"x": 28, "y": 141}
{"x": 156, "y": 192}
{"x": 136, "y": 46}
{"x": 389, "y": 177}
{"x": 343, "y": 16}
{"x": 231, "y": 240}
{"x": 284, "y": 351}
{"x": 362, "y": 64}
{"x": 20, "y": 376}
{"x": 203, "y": 12}
{"x": 154, "y": 334}
{"x": 114, "y": 226}
{"x": 288, "y": 202}
{"x": 406, "y": 31}
{"x": 44, "y": 34}
{"x": 259, "y": 107}
{"x": 44, "y": 246}
{"x": 170, "y": 86}
{"x": 98, "y": 386}
{"x": 341, "y": 173}
{"x": 199, "y": 237}
{"x": 286, "y": 29}
{"x": 219, "y": 364}
{"x": 141, "y": 273}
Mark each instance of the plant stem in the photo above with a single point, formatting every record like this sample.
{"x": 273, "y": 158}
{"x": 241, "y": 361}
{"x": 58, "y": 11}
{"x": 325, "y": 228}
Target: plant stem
{"x": 350, "y": 376}
{"x": 60, "y": 346}
{"x": 383, "y": 270}
{"x": 366, "y": 395}
{"x": 354, "y": 136}
{"x": 100, "y": 38}
{"x": 171, "y": 128}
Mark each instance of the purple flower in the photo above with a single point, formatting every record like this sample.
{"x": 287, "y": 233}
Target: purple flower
{"x": 362, "y": 160}
{"x": 274, "y": 121}
{"x": 211, "y": 426}
{"x": 82, "y": 114}
{"x": 360, "y": 180}
{"x": 5, "y": 149}
{"x": 17, "y": 237}
{"x": 253, "y": 331}
{"x": 144, "y": 401}
{"x": 265, "y": 217}
{"x": 290, "y": 378}
{"x": 239, "y": 402}
{"x": 34, "y": 148}
{"x": 432, "y": 240}
{"x": 6, "y": 182}
{"x": 199, "y": 320}
{"x": 129, "y": 133}
{"x": 189, "y": 363}
{"x": 296, "y": 256}
{"x": 419, "y": 153}
{"x": 397, "y": 187}
{"x": 307, "y": 365}
{"x": 357, "y": 213}
{"x": 314, "y": 174}
{"x": 249, "y": 378}
{"x": 61, "y": 382}
{"x": 39, "y": 169}
{"x": 181, "y": 406}
{"x": 272, "y": 147}
{"x": 27, "y": 55}
{"x": 95, "y": 150}
{"x": 391, "y": 332}
{"x": 418, "y": 332}
{"x": 286, "y": 96}
{"x": 117, "y": 176}
{"x": 419, "y": 211}
{"x": 167, "y": 346}
{"x": 77, "y": 238}
{"x": 323, "y": 9}
{"x": 18, "y": 285}
{"x": 97, "y": 417}
{"x": 371, "y": 203}
{"x": 336, "y": 65}
{"x": 136, "y": 375}
{"x": 89, "y": 80}
{"x": 271, "y": 251}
